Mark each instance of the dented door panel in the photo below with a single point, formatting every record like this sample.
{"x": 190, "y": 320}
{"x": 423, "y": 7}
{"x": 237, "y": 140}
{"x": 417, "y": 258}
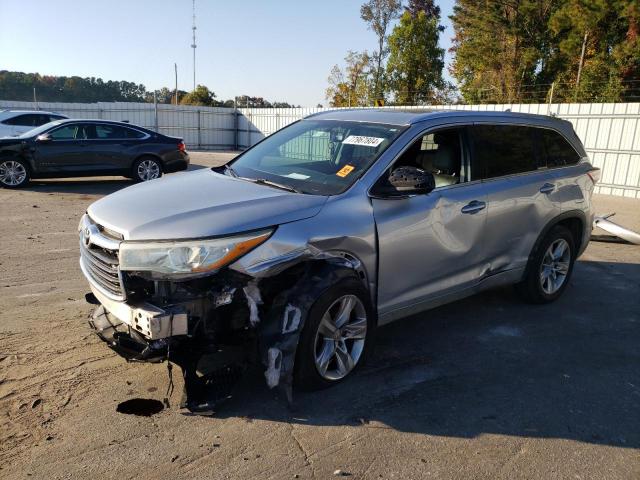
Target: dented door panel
{"x": 428, "y": 247}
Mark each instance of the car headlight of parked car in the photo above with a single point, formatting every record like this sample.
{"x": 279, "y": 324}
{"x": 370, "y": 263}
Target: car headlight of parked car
{"x": 187, "y": 258}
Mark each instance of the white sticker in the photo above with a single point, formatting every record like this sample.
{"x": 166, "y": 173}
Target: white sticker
{"x": 297, "y": 176}
{"x": 364, "y": 141}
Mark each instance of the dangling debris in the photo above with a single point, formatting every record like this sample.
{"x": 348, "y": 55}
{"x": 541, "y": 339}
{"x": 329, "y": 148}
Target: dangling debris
{"x": 620, "y": 234}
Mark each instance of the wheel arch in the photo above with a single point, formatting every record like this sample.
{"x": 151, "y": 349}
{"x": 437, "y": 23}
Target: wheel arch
{"x": 574, "y": 220}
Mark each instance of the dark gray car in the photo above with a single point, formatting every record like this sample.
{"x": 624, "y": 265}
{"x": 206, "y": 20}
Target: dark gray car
{"x": 72, "y": 148}
{"x": 302, "y": 246}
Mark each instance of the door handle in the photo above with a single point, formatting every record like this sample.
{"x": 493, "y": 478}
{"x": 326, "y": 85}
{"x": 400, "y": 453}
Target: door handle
{"x": 547, "y": 188}
{"x": 473, "y": 207}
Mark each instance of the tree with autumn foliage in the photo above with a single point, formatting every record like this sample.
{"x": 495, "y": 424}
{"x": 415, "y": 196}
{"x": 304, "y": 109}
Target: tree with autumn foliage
{"x": 518, "y": 50}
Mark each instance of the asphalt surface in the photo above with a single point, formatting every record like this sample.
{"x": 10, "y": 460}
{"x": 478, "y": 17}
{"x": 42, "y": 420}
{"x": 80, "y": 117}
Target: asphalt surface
{"x": 487, "y": 387}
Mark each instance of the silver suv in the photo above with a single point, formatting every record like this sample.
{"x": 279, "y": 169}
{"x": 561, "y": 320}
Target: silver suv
{"x": 295, "y": 252}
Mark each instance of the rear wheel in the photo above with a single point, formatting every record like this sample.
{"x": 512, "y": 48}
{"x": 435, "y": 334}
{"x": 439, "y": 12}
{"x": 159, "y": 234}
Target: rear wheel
{"x": 13, "y": 173}
{"x": 550, "y": 268}
{"x": 146, "y": 168}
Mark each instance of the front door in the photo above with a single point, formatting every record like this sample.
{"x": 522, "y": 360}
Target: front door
{"x": 431, "y": 245}
{"x": 66, "y": 150}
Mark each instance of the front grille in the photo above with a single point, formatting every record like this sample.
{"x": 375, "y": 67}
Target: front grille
{"x": 101, "y": 266}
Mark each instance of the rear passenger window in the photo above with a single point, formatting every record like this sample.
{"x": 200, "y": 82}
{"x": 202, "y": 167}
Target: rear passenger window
{"x": 558, "y": 151}
{"x": 131, "y": 133}
{"x": 504, "y": 149}
{"x": 23, "y": 120}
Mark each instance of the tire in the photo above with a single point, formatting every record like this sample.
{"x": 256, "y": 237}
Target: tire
{"x": 549, "y": 270}
{"x": 146, "y": 168}
{"x": 14, "y": 173}
{"x": 351, "y": 343}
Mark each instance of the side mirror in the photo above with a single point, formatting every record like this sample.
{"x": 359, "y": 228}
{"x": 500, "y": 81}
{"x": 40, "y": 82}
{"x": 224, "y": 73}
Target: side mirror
{"x": 411, "y": 181}
{"x": 45, "y": 137}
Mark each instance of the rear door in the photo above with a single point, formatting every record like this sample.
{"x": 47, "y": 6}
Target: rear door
{"x": 522, "y": 195}
{"x": 111, "y": 144}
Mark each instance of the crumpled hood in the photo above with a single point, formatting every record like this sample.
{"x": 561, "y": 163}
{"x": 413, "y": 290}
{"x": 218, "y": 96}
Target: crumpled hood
{"x": 199, "y": 204}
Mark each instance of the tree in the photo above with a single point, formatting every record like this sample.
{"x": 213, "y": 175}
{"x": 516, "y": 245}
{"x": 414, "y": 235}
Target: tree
{"x": 427, "y": 6}
{"x": 415, "y": 61}
{"x": 201, "y": 96}
{"x": 607, "y": 32}
{"x": 378, "y": 14}
{"x": 501, "y": 49}
{"x": 351, "y": 87}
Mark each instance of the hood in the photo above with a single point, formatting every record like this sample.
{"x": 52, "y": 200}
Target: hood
{"x": 199, "y": 204}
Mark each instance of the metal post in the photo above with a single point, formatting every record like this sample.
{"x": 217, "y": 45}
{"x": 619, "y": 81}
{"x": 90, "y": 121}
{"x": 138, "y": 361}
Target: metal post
{"x": 553, "y": 84}
{"x": 175, "y": 66}
{"x": 248, "y": 129}
{"x": 35, "y": 99}
{"x": 199, "y": 137}
{"x": 235, "y": 123}
{"x": 155, "y": 111}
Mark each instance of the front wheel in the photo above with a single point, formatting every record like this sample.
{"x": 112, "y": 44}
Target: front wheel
{"x": 550, "y": 268}
{"x": 13, "y": 173}
{"x": 145, "y": 169}
{"x": 336, "y": 336}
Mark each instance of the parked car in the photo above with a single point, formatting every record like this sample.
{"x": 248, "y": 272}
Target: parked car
{"x": 17, "y": 122}
{"x": 329, "y": 228}
{"x": 73, "y": 148}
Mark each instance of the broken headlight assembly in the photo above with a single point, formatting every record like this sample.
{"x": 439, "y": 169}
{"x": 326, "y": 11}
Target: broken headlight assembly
{"x": 186, "y": 259}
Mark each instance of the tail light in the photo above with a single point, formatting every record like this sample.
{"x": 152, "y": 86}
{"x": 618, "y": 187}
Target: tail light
{"x": 594, "y": 175}
{"x": 182, "y": 147}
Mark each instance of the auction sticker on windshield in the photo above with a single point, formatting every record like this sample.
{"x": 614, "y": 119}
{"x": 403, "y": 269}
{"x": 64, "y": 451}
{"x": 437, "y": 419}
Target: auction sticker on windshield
{"x": 344, "y": 171}
{"x": 364, "y": 141}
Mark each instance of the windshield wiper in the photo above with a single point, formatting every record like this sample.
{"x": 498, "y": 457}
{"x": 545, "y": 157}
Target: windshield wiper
{"x": 228, "y": 168}
{"x": 264, "y": 181}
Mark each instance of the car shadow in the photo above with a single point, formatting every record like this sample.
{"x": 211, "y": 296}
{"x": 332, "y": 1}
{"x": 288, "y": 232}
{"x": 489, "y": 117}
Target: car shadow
{"x": 492, "y": 364}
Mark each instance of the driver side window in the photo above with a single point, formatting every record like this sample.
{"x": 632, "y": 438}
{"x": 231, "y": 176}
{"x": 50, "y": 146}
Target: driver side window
{"x": 439, "y": 153}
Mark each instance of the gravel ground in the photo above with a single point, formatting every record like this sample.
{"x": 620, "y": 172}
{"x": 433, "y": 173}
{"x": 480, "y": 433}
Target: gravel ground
{"x": 484, "y": 388}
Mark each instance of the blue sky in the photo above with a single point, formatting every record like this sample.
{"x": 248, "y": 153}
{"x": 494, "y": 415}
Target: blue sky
{"x": 279, "y": 49}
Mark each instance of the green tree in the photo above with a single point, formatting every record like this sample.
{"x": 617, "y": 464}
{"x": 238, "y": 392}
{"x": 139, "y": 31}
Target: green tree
{"x": 378, "y": 15}
{"x": 607, "y": 32}
{"x": 414, "y": 69}
{"x": 201, "y": 96}
{"x": 353, "y": 86}
{"x": 502, "y": 49}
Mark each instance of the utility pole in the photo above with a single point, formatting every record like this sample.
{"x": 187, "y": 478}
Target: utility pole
{"x": 175, "y": 66}
{"x": 584, "y": 45}
{"x": 193, "y": 44}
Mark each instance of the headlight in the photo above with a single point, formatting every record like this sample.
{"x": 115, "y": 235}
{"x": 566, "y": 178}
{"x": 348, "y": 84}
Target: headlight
{"x": 188, "y": 257}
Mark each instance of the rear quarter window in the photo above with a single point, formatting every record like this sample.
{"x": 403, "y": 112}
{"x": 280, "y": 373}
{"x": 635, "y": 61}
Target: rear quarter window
{"x": 558, "y": 151}
{"x": 502, "y": 150}
{"x": 27, "y": 120}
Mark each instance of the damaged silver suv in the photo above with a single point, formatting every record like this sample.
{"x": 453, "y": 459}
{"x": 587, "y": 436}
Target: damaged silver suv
{"x": 295, "y": 252}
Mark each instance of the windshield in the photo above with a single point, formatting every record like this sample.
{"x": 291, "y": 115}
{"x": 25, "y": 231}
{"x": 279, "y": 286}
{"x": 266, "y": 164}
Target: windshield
{"x": 40, "y": 129}
{"x": 321, "y": 157}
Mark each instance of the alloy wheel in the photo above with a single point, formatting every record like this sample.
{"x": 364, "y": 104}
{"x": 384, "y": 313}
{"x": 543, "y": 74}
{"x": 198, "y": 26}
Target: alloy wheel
{"x": 148, "y": 170}
{"x": 340, "y": 338}
{"x": 555, "y": 266}
{"x": 12, "y": 173}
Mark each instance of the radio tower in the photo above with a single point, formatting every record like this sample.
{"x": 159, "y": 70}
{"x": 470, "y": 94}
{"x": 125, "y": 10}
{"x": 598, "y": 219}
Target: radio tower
{"x": 193, "y": 45}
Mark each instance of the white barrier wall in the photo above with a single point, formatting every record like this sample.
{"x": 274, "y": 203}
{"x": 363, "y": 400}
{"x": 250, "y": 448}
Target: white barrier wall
{"x": 609, "y": 131}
